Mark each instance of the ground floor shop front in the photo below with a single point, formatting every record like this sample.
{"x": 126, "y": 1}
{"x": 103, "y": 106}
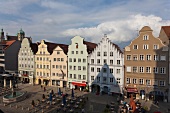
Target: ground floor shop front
{"x": 82, "y": 86}
{"x": 53, "y": 82}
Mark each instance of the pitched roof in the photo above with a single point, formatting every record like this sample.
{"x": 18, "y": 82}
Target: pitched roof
{"x": 166, "y": 30}
{"x": 34, "y": 47}
{"x": 14, "y": 37}
{"x": 6, "y": 44}
{"x": 52, "y": 46}
{"x": 90, "y": 46}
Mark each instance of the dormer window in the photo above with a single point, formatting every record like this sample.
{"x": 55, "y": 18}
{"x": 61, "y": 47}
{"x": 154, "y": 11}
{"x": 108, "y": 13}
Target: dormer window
{"x": 145, "y": 37}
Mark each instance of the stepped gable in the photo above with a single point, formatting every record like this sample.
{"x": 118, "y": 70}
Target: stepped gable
{"x": 117, "y": 47}
{"x": 52, "y": 46}
{"x": 166, "y": 30}
{"x": 90, "y": 46}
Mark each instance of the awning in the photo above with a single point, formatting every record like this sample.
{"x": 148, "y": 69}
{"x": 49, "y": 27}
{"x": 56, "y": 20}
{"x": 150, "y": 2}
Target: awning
{"x": 78, "y": 84}
{"x": 132, "y": 90}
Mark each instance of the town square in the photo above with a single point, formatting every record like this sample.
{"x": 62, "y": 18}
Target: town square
{"x": 88, "y": 56}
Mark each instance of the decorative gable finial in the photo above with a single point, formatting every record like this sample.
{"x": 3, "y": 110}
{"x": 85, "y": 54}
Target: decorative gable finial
{"x": 105, "y": 35}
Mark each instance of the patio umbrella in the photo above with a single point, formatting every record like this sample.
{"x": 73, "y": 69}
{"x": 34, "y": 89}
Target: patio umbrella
{"x": 64, "y": 99}
{"x": 59, "y": 91}
{"x": 72, "y": 93}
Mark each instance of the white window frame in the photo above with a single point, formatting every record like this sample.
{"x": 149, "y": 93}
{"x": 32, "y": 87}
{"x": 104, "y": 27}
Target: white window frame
{"x": 135, "y": 46}
{"x": 148, "y": 69}
{"x": 162, "y": 58}
{"x": 128, "y": 80}
{"x": 141, "y": 81}
{"x": 135, "y": 57}
{"x": 145, "y": 37}
{"x": 156, "y": 57}
{"x": 135, "y": 68}
{"x": 128, "y": 69}
{"x": 162, "y": 70}
{"x": 148, "y": 82}
{"x": 134, "y": 81}
{"x": 163, "y": 83}
{"x": 155, "y": 69}
{"x": 148, "y": 57}
{"x": 141, "y": 69}
{"x": 143, "y": 58}
{"x": 155, "y": 46}
{"x": 145, "y": 46}
{"x": 128, "y": 57}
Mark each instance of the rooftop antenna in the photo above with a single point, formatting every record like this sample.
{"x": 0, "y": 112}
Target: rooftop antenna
{"x": 137, "y": 32}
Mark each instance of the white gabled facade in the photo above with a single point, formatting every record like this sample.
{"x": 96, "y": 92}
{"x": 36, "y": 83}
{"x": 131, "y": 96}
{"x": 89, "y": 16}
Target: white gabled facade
{"x": 106, "y": 68}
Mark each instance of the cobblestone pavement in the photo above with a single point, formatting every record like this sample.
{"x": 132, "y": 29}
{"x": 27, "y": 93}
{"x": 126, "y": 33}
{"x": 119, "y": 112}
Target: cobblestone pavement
{"x": 95, "y": 103}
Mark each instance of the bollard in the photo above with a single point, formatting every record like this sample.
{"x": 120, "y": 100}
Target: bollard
{"x": 22, "y": 108}
{"x": 10, "y": 105}
{"x": 42, "y": 110}
{"x": 28, "y": 108}
{"x": 35, "y": 110}
{"x": 16, "y": 106}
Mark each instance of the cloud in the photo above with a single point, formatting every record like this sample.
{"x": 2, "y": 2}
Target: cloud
{"x": 120, "y": 30}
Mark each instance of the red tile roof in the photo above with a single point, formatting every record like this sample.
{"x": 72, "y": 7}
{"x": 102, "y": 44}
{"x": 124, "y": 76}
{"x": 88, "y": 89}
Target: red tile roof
{"x": 166, "y": 30}
{"x": 90, "y": 46}
{"x": 6, "y": 44}
{"x": 52, "y": 46}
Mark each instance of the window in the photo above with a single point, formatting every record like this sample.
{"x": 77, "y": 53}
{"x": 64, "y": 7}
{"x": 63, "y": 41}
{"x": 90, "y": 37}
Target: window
{"x": 105, "y": 53}
{"x": 111, "y": 79}
{"x": 104, "y": 70}
{"x": 141, "y": 81}
{"x": 155, "y": 70}
{"x": 84, "y": 60}
{"x": 70, "y": 67}
{"x": 58, "y": 59}
{"x": 76, "y": 52}
{"x": 74, "y": 59}
{"x": 145, "y": 37}
{"x": 72, "y": 52}
{"x": 79, "y": 60}
{"x": 128, "y": 57}
{"x": 92, "y": 69}
{"x": 156, "y": 58}
{"x": 105, "y": 61}
{"x": 53, "y": 74}
{"x": 118, "y": 62}
{"x": 79, "y": 67}
{"x": 81, "y": 52}
{"x": 141, "y": 57}
{"x": 74, "y": 67}
{"x": 64, "y": 67}
{"x": 58, "y": 52}
{"x": 62, "y": 59}
{"x": 134, "y": 81}
{"x": 148, "y": 82}
{"x": 148, "y": 69}
{"x": 84, "y": 77}
{"x": 92, "y": 61}
{"x": 56, "y": 66}
{"x": 111, "y": 70}
{"x": 84, "y": 68}
{"x": 155, "y": 82}
{"x": 161, "y": 83}
{"x": 92, "y": 77}
{"x": 155, "y": 46}
{"x": 128, "y": 69}
{"x": 111, "y": 62}
{"x": 98, "y": 53}
{"x": 145, "y": 46}
{"x": 111, "y": 53}
{"x": 141, "y": 69}
{"x": 135, "y": 69}
{"x": 70, "y": 75}
{"x": 70, "y": 60}
{"x": 74, "y": 76}
{"x": 163, "y": 58}
{"x": 79, "y": 77}
{"x": 54, "y": 59}
{"x": 128, "y": 80}
{"x": 98, "y": 61}
{"x": 135, "y": 57}
{"x": 148, "y": 57}
{"x": 162, "y": 70}
{"x": 118, "y": 71}
{"x": 98, "y": 69}
{"x": 135, "y": 46}
{"x": 118, "y": 80}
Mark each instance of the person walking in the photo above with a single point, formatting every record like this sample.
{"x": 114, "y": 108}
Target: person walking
{"x": 44, "y": 89}
{"x": 41, "y": 86}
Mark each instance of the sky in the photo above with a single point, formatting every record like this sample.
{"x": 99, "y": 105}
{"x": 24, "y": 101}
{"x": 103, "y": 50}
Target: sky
{"x": 60, "y": 20}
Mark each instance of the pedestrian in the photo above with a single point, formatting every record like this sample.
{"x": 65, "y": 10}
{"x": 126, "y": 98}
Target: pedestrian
{"x": 41, "y": 86}
{"x": 87, "y": 98}
{"x": 44, "y": 89}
